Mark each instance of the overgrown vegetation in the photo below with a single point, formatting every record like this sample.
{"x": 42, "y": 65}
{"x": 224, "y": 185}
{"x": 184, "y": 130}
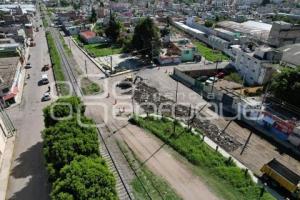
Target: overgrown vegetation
{"x": 230, "y": 182}
{"x": 210, "y": 54}
{"x": 66, "y": 47}
{"x": 234, "y": 77}
{"x": 286, "y": 85}
{"x": 71, "y": 150}
{"x": 56, "y": 64}
{"x": 89, "y": 88}
{"x": 154, "y": 185}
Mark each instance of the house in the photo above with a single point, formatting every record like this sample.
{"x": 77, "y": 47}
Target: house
{"x": 179, "y": 50}
{"x": 90, "y": 37}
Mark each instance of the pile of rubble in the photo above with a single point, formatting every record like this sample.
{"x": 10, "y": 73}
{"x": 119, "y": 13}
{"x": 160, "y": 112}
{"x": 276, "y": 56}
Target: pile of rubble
{"x": 146, "y": 95}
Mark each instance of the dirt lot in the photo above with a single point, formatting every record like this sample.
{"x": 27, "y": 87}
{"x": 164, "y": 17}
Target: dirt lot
{"x": 258, "y": 152}
{"x": 177, "y": 174}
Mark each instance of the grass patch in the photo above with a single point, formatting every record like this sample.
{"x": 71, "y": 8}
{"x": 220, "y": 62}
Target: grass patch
{"x": 66, "y": 47}
{"x": 45, "y": 22}
{"x": 99, "y": 50}
{"x": 56, "y": 63}
{"x": 209, "y": 53}
{"x": 154, "y": 185}
{"x": 89, "y": 87}
{"x": 235, "y": 77}
{"x": 222, "y": 175}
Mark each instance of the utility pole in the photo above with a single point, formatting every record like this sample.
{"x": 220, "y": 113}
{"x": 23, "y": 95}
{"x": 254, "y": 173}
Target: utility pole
{"x": 85, "y": 66}
{"x": 70, "y": 45}
{"x": 258, "y": 112}
{"x": 176, "y": 91}
{"x": 111, "y": 65}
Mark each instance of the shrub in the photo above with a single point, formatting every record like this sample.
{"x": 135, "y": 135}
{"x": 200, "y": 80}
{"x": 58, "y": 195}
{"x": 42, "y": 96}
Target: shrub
{"x": 61, "y": 109}
{"x": 85, "y": 178}
{"x": 65, "y": 141}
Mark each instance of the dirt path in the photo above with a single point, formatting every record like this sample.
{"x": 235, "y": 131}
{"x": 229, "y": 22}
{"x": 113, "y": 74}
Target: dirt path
{"x": 182, "y": 179}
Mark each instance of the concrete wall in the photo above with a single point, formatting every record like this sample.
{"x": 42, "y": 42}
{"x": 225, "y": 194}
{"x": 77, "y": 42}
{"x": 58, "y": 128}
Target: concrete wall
{"x": 3, "y": 133}
{"x": 189, "y": 80}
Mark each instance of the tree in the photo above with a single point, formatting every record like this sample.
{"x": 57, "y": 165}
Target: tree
{"x": 66, "y": 140}
{"x": 113, "y": 29}
{"x": 63, "y": 107}
{"x": 286, "y": 86}
{"x": 85, "y": 178}
{"x": 93, "y": 17}
{"x": 165, "y": 31}
{"x": 146, "y": 38}
{"x": 208, "y": 23}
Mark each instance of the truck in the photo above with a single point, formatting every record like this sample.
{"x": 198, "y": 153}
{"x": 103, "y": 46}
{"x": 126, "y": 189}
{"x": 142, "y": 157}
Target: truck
{"x": 280, "y": 176}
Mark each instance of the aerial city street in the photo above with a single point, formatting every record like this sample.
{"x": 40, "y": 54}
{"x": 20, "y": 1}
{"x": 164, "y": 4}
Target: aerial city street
{"x": 150, "y": 99}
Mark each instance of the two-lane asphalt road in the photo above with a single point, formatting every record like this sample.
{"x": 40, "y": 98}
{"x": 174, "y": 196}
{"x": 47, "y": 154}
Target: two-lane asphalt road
{"x": 28, "y": 178}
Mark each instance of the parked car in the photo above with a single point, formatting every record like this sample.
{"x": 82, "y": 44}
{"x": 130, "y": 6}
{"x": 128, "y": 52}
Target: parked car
{"x": 28, "y": 66}
{"x": 124, "y": 84}
{"x": 46, "y": 96}
{"x": 45, "y": 68}
{"x": 44, "y": 79}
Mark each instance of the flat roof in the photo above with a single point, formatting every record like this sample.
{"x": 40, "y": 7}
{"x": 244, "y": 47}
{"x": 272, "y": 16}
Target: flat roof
{"x": 8, "y": 68}
{"x": 254, "y": 28}
{"x": 291, "y": 53}
{"x": 189, "y": 28}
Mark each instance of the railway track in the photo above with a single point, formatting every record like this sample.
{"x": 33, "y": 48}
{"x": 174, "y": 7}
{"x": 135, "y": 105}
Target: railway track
{"x": 106, "y": 150}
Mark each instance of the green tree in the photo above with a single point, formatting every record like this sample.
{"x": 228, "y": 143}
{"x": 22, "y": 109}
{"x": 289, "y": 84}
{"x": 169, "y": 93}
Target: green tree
{"x": 113, "y": 29}
{"x": 63, "y": 107}
{"x": 208, "y": 23}
{"x": 146, "y": 38}
{"x": 66, "y": 140}
{"x": 93, "y": 17}
{"x": 286, "y": 86}
{"x": 85, "y": 178}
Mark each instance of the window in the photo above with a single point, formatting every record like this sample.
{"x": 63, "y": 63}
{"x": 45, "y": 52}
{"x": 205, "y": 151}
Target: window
{"x": 187, "y": 52}
{"x": 253, "y": 70}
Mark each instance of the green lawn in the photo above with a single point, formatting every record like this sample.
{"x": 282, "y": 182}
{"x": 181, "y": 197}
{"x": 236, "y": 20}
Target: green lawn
{"x": 209, "y": 53}
{"x": 98, "y": 50}
{"x": 221, "y": 174}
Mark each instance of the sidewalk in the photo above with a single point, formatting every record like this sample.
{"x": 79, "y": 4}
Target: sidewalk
{"x": 5, "y": 167}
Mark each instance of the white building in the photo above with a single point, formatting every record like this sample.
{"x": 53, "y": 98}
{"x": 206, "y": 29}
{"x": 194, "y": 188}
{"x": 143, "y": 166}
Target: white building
{"x": 254, "y": 67}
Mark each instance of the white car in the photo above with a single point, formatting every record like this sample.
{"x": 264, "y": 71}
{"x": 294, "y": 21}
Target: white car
{"x": 46, "y": 96}
{"x": 45, "y": 79}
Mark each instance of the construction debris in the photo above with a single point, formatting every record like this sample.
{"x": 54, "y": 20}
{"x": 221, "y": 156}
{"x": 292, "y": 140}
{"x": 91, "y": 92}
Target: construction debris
{"x": 150, "y": 99}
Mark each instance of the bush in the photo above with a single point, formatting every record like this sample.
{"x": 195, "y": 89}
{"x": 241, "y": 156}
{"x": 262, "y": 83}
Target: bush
{"x": 61, "y": 109}
{"x": 85, "y": 178}
{"x": 71, "y": 150}
{"x": 66, "y": 140}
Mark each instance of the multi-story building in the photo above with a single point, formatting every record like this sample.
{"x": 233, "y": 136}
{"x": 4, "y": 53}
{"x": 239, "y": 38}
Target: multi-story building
{"x": 256, "y": 67}
{"x": 283, "y": 33}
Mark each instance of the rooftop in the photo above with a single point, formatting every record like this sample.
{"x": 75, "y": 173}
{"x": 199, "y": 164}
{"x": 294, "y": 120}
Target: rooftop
{"x": 7, "y": 70}
{"x": 259, "y": 30}
{"x": 291, "y": 54}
